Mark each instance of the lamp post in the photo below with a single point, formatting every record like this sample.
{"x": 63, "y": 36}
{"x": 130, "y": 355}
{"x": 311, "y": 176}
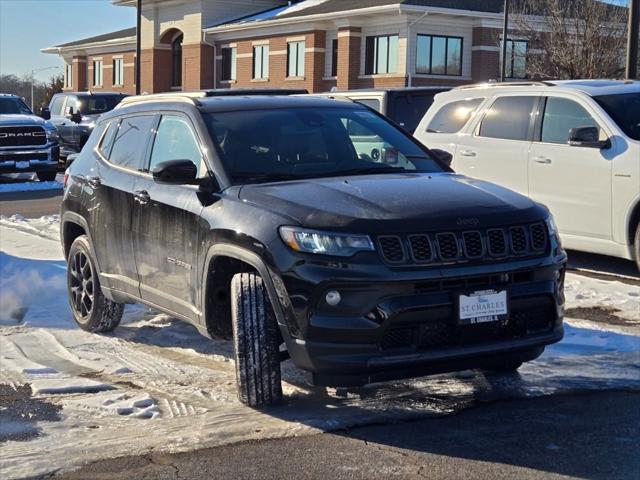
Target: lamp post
{"x": 505, "y": 32}
{"x": 632, "y": 46}
{"x": 138, "y": 43}
{"x": 33, "y": 72}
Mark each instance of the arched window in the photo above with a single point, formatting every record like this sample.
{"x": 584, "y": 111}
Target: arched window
{"x": 176, "y": 61}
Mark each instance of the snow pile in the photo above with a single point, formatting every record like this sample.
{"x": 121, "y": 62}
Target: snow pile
{"x": 581, "y": 291}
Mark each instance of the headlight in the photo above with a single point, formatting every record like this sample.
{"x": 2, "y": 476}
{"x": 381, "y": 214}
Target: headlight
{"x": 52, "y": 135}
{"x": 325, "y": 243}
{"x": 553, "y": 229}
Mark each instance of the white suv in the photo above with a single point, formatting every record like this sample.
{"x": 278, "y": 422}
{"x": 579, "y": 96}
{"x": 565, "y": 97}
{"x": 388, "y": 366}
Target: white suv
{"x": 571, "y": 145}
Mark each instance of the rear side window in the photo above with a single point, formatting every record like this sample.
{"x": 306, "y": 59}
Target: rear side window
{"x": 130, "y": 142}
{"x": 509, "y": 118}
{"x": 107, "y": 140}
{"x": 560, "y": 116}
{"x": 453, "y": 116}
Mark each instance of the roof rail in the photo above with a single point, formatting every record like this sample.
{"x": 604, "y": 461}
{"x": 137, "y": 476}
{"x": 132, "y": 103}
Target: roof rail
{"x": 187, "y": 97}
{"x": 494, "y": 83}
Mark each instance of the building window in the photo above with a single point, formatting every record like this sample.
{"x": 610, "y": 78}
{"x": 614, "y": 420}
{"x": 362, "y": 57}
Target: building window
{"x": 176, "y": 61}
{"x": 229, "y": 63}
{"x": 68, "y": 75}
{"x": 334, "y": 57}
{"x": 97, "y": 73}
{"x": 118, "y": 71}
{"x": 261, "y": 62}
{"x": 516, "y": 66}
{"x": 295, "y": 59}
{"x": 381, "y": 55}
{"x": 438, "y": 55}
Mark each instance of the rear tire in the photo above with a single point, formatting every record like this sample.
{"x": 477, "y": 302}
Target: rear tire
{"x": 91, "y": 310}
{"x": 636, "y": 247}
{"x": 255, "y": 342}
{"x": 46, "y": 176}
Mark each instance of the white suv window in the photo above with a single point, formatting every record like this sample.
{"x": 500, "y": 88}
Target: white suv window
{"x": 509, "y": 118}
{"x": 453, "y": 116}
{"x": 560, "y": 116}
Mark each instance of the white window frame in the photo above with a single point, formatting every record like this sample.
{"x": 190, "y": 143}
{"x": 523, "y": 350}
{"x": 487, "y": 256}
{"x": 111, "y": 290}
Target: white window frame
{"x": 98, "y": 73}
{"x": 118, "y": 71}
{"x": 261, "y": 62}
{"x": 295, "y": 58}
{"x": 68, "y": 75}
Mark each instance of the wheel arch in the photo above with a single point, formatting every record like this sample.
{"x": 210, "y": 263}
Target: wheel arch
{"x": 634, "y": 220}
{"x": 73, "y": 225}
{"x": 250, "y": 259}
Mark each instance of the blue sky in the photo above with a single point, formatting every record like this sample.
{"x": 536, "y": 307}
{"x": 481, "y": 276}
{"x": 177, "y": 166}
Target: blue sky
{"x": 26, "y": 26}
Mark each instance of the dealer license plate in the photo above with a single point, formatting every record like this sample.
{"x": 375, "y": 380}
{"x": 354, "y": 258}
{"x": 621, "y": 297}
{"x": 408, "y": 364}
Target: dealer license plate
{"x": 23, "y": 164}
{"x": 483, "y": 306}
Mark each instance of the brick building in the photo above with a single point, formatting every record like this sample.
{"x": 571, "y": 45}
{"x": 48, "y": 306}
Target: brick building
{"x": 312, "y": 44}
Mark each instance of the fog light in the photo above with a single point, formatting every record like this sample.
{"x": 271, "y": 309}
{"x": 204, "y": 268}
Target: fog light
{"x": 333, "y": 298}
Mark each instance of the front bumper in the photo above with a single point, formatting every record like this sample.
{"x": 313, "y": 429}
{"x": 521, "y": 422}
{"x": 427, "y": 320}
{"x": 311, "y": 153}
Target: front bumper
{"x": 29, "y": 159}
{"x": 398, "y": 324}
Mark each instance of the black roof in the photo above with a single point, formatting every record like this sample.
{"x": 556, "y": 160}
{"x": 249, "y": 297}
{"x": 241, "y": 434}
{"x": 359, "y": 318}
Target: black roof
{"x": 127, "y": 32}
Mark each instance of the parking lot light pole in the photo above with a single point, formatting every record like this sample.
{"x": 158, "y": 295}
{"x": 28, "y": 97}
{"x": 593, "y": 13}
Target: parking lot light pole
{"x": 632, "y": 44}
{"x": 138, "y": 43}
{"x": 505, "y": 31}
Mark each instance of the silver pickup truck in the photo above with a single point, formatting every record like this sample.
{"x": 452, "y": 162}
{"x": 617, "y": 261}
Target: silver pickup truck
{"x": 28, "y": 143}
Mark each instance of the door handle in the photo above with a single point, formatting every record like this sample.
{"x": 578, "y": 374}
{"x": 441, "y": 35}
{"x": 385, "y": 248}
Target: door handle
{"x": 467, "y": 153}
{"x": 544, "y": 160}
{"x": 95, "y": 182}
{"x": 142, "y": 197}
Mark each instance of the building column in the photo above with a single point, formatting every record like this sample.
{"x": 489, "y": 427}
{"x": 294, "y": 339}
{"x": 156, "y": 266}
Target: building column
{"x": 197, "y": 66}
{"x": 485, "y": 56}
{"x": 349, "y": 51}
{"x": 79, "y": 74}
{"x": 315, "y": 54}
{"x": 155, "y": 70}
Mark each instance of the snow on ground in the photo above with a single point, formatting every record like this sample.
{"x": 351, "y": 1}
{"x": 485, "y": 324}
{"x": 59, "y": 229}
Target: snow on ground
{"x": 155, "y": 383}
{"x": 27, "y": 182}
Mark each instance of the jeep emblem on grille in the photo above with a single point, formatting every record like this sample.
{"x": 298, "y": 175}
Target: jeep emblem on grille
{"x": 468, "y": 222}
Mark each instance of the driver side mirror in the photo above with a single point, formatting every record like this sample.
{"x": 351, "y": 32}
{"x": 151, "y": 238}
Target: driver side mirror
{"x": 45, "y": 113}
{"x": 175, "y": 172}
{"x": 588, "y": 137}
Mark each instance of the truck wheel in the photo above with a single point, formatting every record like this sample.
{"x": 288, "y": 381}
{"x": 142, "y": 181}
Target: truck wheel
{"x": 636, "y": 247}
{"x": 255, "y": 341}
{"x": 46, "y": 176}
{"x": 91, "y": 310}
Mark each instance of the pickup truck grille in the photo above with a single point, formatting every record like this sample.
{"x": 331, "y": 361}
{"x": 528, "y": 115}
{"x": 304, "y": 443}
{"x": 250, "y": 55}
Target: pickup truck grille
{"x": 24, "y": 136}
{"x": 465, "y": 246}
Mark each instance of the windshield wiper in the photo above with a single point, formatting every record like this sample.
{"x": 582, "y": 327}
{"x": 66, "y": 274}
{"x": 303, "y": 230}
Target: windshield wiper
{"x": 265, "y": 176}
{"x": 362, "y": 171}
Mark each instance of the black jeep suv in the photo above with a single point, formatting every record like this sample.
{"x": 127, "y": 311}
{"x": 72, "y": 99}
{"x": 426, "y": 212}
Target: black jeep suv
{"x": 262, "y": 219}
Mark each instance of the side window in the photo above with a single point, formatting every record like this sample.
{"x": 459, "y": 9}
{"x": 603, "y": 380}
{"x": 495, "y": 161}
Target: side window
{"x": 560, "y": 116}
{"x": 56, "y": 105}
{"x": 453, "y": 116}
{"x": 509, "y": 118}
{"x": 175, "y": 140}
{"x": 369, "y": 102}
{"x": 408, "y": 109}
{"x": 107, "y": 140}
{"x": 130, "y": 141}
{"x": 72, "y": 102}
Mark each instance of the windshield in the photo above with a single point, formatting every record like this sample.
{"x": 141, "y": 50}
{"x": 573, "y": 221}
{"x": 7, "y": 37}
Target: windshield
{"x": 285, "y": 144}
{"x": 624, "y": 109}
{"x": 97, "y": 104}
{"x": 13, "y": 106}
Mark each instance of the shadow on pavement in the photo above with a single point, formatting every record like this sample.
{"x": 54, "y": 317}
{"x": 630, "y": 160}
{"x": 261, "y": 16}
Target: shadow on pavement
{"x": 602, "y": 263}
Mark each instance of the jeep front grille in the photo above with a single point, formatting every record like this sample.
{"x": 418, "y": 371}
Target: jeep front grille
{"x": 465, "y": 246}
{"x": 23, "y": 136}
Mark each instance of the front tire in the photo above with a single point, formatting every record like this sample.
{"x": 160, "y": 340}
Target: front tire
{"x": 255, "y": 341}
{"x": 46, "y": 176}
{"x": 91, "y": 310}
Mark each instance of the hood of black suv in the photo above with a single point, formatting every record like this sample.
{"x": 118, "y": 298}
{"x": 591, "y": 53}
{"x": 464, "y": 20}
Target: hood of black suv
{"x": 393, "y": 203}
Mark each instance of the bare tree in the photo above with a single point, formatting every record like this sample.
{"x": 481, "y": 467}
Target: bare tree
{"x": 21, "y": 86}
{"x": 572, "y": 39}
